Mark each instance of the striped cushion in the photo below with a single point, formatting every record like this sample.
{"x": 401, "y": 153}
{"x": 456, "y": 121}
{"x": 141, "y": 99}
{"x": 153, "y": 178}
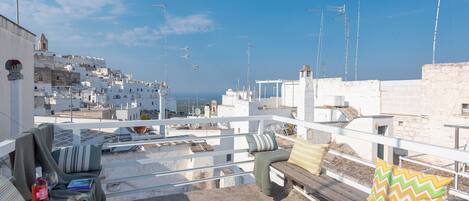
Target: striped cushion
{"x": 381, "y": 181}
{"x": 308, "y": 156}
{"x": 409, "y": 185}
{"x": 8, "y": 192}
{"x": 78, "y": 158}
{"x": 264, "y": 142}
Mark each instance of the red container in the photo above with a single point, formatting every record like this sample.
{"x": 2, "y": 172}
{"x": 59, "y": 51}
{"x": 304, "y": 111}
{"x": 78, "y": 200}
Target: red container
{"x": 39, "y": 190}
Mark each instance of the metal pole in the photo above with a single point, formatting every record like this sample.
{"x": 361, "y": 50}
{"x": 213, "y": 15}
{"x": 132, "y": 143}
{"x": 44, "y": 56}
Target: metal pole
{"x": 260, "y": 91}
{"x": 265, "y": 91}
{"x": 18, "y": 12}
{"x": 71, "y": 103}
{"x": 318, "y": 55}
{"x": 248, "y": 82}
{"x": 346, "y": 24}
{"x": 276, "y": 94}
{"x": 357, "y": 41}
{"x": 165, "y": 49}
{"x": 456, "y": 163}
{"x": 165, "y": 63}
{"x": 435, "y": 31}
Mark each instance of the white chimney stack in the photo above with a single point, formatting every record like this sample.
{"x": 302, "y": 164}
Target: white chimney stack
{"x": 305, "y": 109}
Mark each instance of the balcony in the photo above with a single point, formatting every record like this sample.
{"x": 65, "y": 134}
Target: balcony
{"x": 195, "y": 164}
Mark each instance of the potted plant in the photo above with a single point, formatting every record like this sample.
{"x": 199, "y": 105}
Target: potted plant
{"x": 142, "y": 129}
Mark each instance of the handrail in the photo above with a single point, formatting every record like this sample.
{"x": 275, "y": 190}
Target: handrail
{"x": 6, "y": 147}
{"x": 178, "y": 184}
{"x": 435, "y": 150}
{"x": 166, "y": 173}
{"x": 161, "y": 122}
{"x": 164, "y": 140}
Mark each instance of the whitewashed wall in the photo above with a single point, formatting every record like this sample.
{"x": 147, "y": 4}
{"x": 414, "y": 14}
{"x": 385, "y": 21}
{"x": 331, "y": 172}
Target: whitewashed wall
{"x": 445, "y": 89}
{"x": 16, "y": 43}
{"x": 364, "y": 149}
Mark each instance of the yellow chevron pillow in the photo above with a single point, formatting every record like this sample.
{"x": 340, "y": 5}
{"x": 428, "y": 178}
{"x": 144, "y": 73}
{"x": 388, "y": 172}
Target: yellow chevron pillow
{"x": 381, "y": 181}
{"x": 410, "y": 185}
{"x": 308, "y": 156}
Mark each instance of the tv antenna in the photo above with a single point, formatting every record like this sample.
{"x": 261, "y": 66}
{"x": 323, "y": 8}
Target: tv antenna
{"x": 163, "y": 7}
{"x": 248, "y": 81}
{"x": 320, "y": 43}
{"x": 435, "y": 31}
{"x": 357, "y": 40}
{"x": 342, "y": 10}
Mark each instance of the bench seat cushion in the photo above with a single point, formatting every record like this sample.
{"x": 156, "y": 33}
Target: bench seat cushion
{"x": 321, "y": 187}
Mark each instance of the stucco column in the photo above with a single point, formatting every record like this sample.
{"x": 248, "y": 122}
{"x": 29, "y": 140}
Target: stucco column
{"x": 14, "y": 68}
{"x": 162, "y": 92}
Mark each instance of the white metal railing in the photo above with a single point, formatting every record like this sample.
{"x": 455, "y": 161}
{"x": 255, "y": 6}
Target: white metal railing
{"x": 439, "y": 151}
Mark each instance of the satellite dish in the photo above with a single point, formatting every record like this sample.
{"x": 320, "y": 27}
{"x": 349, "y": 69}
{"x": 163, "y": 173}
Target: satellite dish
{"x": 198, "y": 111}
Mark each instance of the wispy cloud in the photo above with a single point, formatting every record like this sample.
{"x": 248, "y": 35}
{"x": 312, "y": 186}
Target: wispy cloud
{"x": 139, "y": 36}
{"x": 174, "y": 25}
{"x": 187, "y": 24}
{"x": 406, "y": 13}
{"x": 57, "y": 18}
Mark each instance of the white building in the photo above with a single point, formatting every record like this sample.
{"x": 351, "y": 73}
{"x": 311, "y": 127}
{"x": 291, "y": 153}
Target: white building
{"x": 347, "y": 105}
{"x": 98, "y": 86}
{"x": 16, "y": 78}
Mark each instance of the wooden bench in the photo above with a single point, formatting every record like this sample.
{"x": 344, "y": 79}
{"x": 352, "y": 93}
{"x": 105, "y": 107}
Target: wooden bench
{"x": 320, "y": 187}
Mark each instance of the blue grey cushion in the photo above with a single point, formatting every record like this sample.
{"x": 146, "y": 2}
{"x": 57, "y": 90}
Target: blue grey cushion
{"x": 82, "y": 158}
{"x": 263, "y": 142}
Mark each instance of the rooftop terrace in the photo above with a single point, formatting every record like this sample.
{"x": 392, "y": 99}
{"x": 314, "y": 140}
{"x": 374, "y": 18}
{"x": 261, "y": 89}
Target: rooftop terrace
{"x": 168, "y": 169}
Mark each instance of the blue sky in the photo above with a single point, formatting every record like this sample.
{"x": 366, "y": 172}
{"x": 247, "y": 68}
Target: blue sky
{"x": 396, "y": 37}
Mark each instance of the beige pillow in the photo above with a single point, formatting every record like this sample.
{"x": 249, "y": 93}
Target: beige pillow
{"x": 308, "y": 156}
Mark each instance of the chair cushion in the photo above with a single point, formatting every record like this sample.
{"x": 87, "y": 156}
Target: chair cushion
{"x": 381, "y": 181}
{"x": 8, "y": 191}
{"x": 78, "y": 158}
{"x": 308, "y": 156}
{"x": 263, "y": 142}
{"x": 408, "y": 185}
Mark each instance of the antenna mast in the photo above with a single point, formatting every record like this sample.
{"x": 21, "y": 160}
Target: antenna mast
{"x": 319, "y": 50}
{"x": 357, "y": 41}
{"x": 342, "y": 10}
{"x": 18, "y": 12}
{"x": 436, "y": 31}
{"x": 248, "y": 81}
{"x": 165, "y": 40}
{"x": 318, "y": 56}
{"x": 347, "y": 37}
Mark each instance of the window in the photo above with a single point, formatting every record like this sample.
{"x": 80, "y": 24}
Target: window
{"x": 58, "y": 78}
{"x": 228, "y": 157}
{"x": 382, "y": 132}
{"x": 465, "y": 109}
{"x": 400, "y": 123}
